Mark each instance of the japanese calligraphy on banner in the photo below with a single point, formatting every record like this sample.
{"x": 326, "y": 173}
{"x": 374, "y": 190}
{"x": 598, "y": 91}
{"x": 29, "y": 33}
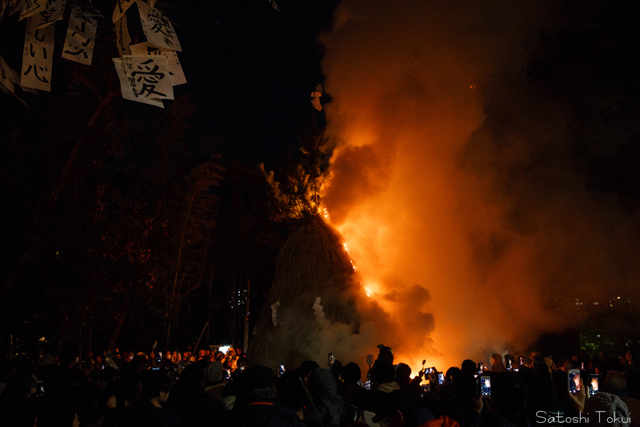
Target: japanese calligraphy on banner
{"x": 125, "y": 86}
{"x": 120, "y": 9}
{"x": 123, "y": 39}
{"x": 31, "y": 7}
{"x": 144, "y": 79}
{"x": 158, "y": 28}
{"x": 53, "y": 12}
{"x": 37, "y": 57}
{"x": 175, "y": 69}
{"x": 81, "y": 35}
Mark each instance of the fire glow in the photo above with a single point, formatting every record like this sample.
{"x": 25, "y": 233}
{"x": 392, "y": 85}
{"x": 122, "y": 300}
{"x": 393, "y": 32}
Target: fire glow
{"x": 449, "y": 181}
{"x": 401, "y": 112}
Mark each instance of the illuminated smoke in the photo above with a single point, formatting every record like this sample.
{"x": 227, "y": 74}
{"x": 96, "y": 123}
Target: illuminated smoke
{"x": 449, "y": 183}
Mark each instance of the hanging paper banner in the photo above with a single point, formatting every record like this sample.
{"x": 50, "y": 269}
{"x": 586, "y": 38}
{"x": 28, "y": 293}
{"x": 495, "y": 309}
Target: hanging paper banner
{"x": 31, "y": 7}
{"x": 123, "y": 40}
{"x": 15, "y": 6}
{"x": 175, "y": 69}
{"x": 144, "y": 79}
{"x": 148, "y": 3}
{"x": 37, "y": 57}
{"x": 158, "y": 28}
{"x": 6, "y": 75}
{"x": 4, "y": 4}
{"x": 81, "y": 36}
{"x": 120, "y": 9}
{"x": 151, "y": 75}
{"x": 126, "y": 87}
{"x": 53, "y": 12}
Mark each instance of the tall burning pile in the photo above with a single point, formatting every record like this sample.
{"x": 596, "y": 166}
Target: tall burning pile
{"x": 312, "y": 293}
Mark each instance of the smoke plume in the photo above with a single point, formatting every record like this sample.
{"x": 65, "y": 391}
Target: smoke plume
{"x": 453, "y": 183}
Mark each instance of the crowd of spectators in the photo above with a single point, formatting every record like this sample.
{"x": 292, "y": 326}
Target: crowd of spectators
{"x": 211, "y": 388}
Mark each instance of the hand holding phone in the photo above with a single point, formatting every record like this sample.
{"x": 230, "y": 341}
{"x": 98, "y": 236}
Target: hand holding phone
{"x": 574, "y": 381}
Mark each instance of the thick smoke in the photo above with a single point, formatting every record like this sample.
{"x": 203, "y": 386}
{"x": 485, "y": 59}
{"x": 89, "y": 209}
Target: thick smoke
{"x": 453, "y": 183}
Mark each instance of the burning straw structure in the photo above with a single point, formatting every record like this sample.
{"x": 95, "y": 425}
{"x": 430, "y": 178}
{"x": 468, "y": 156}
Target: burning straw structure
{"x": 313, "y": 289}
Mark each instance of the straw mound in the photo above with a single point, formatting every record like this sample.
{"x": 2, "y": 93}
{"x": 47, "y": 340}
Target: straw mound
{"x": 312, "y": 263}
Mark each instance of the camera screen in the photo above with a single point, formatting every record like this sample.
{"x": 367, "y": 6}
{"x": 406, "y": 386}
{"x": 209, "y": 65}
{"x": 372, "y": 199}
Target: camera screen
{"x": 574, "y": 382}
{"x": 440, "y": 378}
{"x": 594, "y": 386}
{"x": 485, "y": 386}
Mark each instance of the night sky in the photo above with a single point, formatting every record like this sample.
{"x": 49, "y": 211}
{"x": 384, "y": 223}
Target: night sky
{"x": 255, "y": 75}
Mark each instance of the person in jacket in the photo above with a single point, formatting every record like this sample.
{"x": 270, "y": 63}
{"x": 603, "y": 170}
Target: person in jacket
{"x": 326, "y": 406}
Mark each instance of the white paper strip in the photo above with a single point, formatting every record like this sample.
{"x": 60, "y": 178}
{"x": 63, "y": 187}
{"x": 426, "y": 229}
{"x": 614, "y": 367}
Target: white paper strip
{"x": 149, "y": 76}
{"x": 158, "y": 28}
{"x": 81, "y": 37}
{"x": 123, "y": 40}
{"x": 15, "y": 6}
{"x": 175, "y": 69}
{"x": 31, "y": 7}
{"x": 120, "y": 9}
{"x": 126, "y": 88}
{"x": 37, "y": 57}
{"x": 144, "y": 79}
{"x": 5, "y": 75}
{"x": 53, "y": 12}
